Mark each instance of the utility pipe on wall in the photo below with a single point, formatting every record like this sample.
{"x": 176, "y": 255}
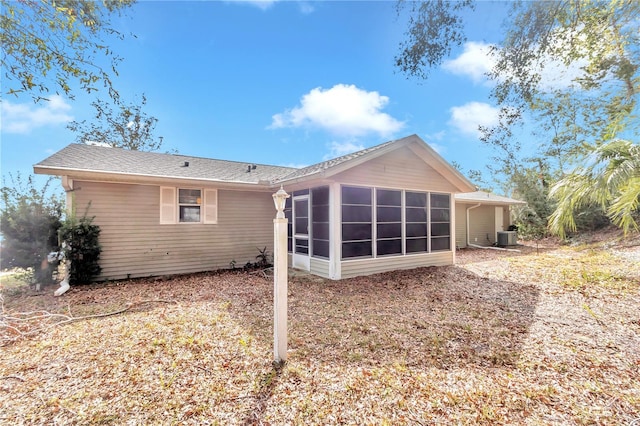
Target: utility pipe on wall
{"x": 470, "y": 208}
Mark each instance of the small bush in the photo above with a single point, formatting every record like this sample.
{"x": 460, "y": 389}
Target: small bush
{"x": 81, "y": 247}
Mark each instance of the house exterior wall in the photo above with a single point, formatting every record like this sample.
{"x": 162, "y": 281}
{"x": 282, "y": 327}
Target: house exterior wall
{"x": 135, "y": 244}
{"x": 400, "y": 169}
{"x": 354, "y": 268}
{"x": 482, "y": 227}
{"x": 320, "y": 267}
{"x": 461, "y": 224}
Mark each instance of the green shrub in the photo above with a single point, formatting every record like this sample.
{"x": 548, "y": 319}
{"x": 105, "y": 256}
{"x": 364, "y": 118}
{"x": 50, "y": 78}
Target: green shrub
{"x": 82, "y": 248}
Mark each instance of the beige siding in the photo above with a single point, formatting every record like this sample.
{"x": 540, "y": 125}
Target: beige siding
{"x": 506, "y": 215}
{"x": 134, "y": 243}
{"x": 320, "y": 267}
{"x": 400, "y": 169}
{"x": 461, "y": 224}
{"x": 354, "y": 268}
{"x": 482, "y": 225}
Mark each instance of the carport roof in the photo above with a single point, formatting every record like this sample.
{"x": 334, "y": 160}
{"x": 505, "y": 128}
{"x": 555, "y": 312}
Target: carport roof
{"x": 486, "y": 198}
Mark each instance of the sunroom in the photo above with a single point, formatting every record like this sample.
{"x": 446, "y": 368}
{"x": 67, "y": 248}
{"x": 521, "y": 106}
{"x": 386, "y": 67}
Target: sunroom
{"x": 394, "y": 210}
{"x": 372, "y": 229}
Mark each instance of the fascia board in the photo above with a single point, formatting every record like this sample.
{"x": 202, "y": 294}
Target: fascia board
{"x": 133, "y": 178}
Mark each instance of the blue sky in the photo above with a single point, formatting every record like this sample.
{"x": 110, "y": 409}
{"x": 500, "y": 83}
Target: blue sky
{"x": 287, "y": 83}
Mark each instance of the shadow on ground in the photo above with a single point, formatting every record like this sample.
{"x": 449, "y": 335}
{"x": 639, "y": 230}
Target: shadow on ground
{"x": 438, "y": 316}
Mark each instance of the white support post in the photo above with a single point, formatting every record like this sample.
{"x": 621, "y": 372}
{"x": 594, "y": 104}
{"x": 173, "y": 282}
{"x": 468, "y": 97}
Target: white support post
{"x": 280, "y": 276}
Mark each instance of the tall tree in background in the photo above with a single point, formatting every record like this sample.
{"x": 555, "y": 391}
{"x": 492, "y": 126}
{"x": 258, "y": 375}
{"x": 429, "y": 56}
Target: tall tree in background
{"x": 127, "y": 127}
{"x": 571, "y": 67}
{"x": 48, "y": 44}
{"x": 29, "y": 221}
{"x": 610, "y": 179}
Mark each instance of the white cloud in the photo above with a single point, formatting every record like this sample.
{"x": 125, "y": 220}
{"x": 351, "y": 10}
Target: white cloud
{"x": 338, "y": 149}
{"x": 305, "y": 7}
{"x": 439, "y": 148}
{"x": 469, "y": 116}
{"x": 22, "y": 118}
{"x": 343, "y": 110}
{"x": 475, "y": 61}
{"x": 260, "y": 4}
{"x": 95, "y": 143}
{"x": 294, "y": 165}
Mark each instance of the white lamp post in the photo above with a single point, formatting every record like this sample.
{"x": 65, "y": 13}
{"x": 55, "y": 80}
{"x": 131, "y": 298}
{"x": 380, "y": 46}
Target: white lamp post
{"x": 280, "y": 278}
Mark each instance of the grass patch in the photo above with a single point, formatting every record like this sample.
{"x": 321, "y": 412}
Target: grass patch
{"x": 584, "y": 269}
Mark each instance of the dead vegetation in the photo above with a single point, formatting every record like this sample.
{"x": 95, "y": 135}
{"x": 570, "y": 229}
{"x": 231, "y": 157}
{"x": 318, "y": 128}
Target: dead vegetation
{"x": 503, "y": 338}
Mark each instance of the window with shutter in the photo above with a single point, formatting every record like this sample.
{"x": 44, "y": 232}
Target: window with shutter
{"x": 167, "y": 205}
{"x": 188, "y": 205}
{"x": 210, "y": 206}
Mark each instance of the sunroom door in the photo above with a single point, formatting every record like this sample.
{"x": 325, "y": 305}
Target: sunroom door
{"x": 301, "y": 232}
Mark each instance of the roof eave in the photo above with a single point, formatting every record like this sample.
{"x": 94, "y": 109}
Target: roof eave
{"x": 98, "y": 175}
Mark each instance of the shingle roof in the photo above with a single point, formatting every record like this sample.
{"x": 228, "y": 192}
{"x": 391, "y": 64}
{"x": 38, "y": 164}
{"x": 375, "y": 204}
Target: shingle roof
{"x": 81, "y": 157}
{"x": 99, "y": 159}
{"x": 319, "y": 167}
{"x": 486, "y": 197}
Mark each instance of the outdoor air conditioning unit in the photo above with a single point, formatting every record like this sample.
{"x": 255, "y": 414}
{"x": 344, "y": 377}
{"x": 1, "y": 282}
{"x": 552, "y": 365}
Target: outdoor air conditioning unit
{"x": 507, "y": 238}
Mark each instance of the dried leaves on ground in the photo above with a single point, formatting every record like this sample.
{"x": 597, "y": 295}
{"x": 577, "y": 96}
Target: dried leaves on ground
{"x": 539, "y": 336}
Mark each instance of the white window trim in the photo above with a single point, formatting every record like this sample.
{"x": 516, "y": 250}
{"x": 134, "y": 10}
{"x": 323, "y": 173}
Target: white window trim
{"x": 170, "y": 206}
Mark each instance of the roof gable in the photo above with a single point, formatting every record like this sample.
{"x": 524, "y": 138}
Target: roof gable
{"x": 423, "y": 151}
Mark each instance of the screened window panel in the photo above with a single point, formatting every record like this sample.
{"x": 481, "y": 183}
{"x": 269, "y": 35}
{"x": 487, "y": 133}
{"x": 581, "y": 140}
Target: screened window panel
{"x": 386, "y": 247}
{"x": 389, "y": 214}
{"x": 415, "y": 215}
{"x": 321, "y": 248}
{"x": 302, "y": 225}
{"x": 415, "y": 199}
{"x": 356, "y": 213}
{"x": 301, "y": 192}
{"x": 416, "y": 230}
{"x": 440, "y": 215}
{"x": 440, "y": 200}
{"x": 288, "y": 213}
{"x": 302, "y": 246}
{"x": 302, "y": 208}
{"x": 355, "y": 195}
{"x": 321, "y": 231}
{"x": 416, "y": 245}
{"x": 356, "y": 231}
{"x": 320, "y": 213}
{"x": 440, "y": 229}
{"x": 440, "y": 243}
{"x": 356, "y": 249}
{"x": 385, "y": 197}
{"x": 320, "y": 195}
{"x": 389, "y": 230}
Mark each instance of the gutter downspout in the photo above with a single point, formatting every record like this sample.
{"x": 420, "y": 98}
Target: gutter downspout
{"x": 468, "y": 209}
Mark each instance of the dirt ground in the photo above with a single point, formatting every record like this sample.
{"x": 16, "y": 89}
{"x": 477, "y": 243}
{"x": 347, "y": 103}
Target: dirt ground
{"x": 547, "y": 334}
